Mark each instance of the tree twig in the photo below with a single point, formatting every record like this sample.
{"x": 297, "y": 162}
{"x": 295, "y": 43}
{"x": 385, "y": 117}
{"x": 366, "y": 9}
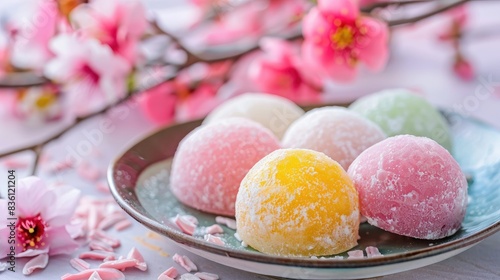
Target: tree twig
{"x": 383, "y": 4}
{"x": 426, "y": 15}
{"x": 28, "y": 79}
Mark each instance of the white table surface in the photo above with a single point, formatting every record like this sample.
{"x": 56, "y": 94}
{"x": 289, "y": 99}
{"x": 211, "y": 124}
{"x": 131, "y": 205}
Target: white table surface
{"x": 417, "y": 61}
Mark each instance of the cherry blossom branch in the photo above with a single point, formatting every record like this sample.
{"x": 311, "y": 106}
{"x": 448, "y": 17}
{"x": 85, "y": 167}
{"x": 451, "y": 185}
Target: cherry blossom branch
{"x": 428, "y": 14}
{"x": 28, "y": 79}
{"x": 384, "y": 4}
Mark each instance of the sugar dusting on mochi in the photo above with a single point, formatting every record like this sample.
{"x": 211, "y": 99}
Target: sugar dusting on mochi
{"x": 411, "y": 186}
{"x": 335, "y": 131}
{"x": 211, "y": 161}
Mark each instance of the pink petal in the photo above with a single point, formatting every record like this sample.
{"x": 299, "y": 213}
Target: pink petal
{"x": 38, "y": 262}
{"x": 100, "y": 246}
{"x": 135, "y": 255}
{"x": 213, "y": 229}
{"x": 168, "y": 274}
{"x": 111, "y": 220}
{"x": 345, "y": 8}
{"x": 100, "y": 235}
{"x": 185, "y": 262}
{"x": 95, "y": 276}
{"x": 13, "y": 163}
{"x": 185, "y": 225}
{"x": 214, "y": 239}
{"x": 188, "y": 276}
{"x": 60, "y": 242}
{"x": 230, "y": 223}
{"x": 122, "y": 225}
{"x": 374, "y": 51}
{"x": 104, "y": 273}
{"x": 34, "y": 197}
{"x": 79, "y": 264}
{"x": 337, "y": 70}
{"x": 63, "y": 209}
{"x": 355, "y": 254}
{"x": 32, "y": 253}
{"x": 158, "y": 104}
{"x": 118, "y": 264}
{"x": 372, "y": 252}
{"x": 95, "y": 255}
{"x": 314, "y": 24}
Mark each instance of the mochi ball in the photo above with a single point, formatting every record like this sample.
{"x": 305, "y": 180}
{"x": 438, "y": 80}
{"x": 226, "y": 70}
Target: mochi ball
{"x": 211, "y": 161}
{"x": 334, "y": 131}
{"x": 400, "y": 111}
{"x": 272, "y": 111}
{"x": 298, "y": 202}
{"x": 410, "y": 186}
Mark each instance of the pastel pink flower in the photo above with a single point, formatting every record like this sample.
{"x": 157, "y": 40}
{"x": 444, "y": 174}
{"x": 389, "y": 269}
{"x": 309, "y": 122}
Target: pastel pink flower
{"x": 92, "y": 74}
{"x": 42, "y": 216}
{"x": 337, "y": 38}
{"x": 278, "y": 71}
{"x": 37, "y": 105}
{"x": 30, "y": 48}
{"x": 463, "y": 69}
{"x": 116, "y": 23}
{"x": 158, "y": 103}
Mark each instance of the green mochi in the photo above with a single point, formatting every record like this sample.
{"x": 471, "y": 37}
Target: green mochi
{"x": 399, "y": 111}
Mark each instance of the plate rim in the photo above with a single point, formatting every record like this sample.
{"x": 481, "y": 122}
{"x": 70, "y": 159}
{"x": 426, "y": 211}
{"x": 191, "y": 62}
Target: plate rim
{"x": 197, "y": 243}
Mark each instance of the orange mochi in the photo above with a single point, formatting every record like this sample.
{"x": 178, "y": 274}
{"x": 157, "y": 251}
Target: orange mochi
{"x": 298, "y": 202}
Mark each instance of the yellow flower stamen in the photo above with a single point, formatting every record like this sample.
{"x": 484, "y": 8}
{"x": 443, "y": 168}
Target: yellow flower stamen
{"x": 343, "y": 37}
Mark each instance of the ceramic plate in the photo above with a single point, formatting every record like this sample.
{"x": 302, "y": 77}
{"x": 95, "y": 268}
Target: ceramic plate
{"x": 139, "y": 182}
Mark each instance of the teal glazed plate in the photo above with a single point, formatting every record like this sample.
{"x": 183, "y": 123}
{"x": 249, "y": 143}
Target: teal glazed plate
{"x": 139, "y": 181}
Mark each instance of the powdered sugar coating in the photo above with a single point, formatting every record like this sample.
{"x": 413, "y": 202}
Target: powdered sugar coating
{"x": 411, "y": 186}
{"x": 297, "y": 202}
{"x": 273, "y": 112}
{"x": 401, "y": 111}
{"x": 212, "y": 160}
{"x": 334, "y": 131}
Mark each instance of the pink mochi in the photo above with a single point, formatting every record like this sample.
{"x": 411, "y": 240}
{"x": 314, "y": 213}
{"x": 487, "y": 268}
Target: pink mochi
{"x": 410, "y": 186}
{"x": 335, "y": 131}
{"x": 211, "y": 161}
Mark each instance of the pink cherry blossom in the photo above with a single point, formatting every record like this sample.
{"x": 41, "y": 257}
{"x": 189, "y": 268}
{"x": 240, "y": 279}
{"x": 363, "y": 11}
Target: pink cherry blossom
{"x": 338, "y": 38}
{"x": 463, "y": 69}
{"x": 158, "y": 103}
{"x": 42, "y": 216}
{"x": 37, "y": 105}
{"x": 30, "y": 48}
{"x": 278, "y": 71}
{"x": 92, "y": 74}
{"x": 116, "y": 23}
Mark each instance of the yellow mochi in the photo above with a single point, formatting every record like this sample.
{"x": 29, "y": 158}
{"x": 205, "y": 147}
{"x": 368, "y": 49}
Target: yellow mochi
{"x": 298, "y": 202}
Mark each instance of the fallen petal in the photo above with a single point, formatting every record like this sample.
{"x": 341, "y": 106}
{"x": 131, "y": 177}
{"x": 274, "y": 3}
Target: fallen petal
{"x": 95, "y": 255}
{"x": 104, "y": 273}
{"x": 39, "y": 261}
{"x": 213, "y": 229}
{"x": 168, "y": 274}
{"x": 230, "y": 223}
{"x": 136, "y": 256}
{"x": 185, "y": 262}
{"x": 372, "y": 251}
{"x": 355, "y": 254}
{"x": 79, "y": 264}
{"x": 122, "y": 225}
{"x": 118, "y": 264}
{"x": 185, "y": 224}
{"x": 214, "y": 239}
